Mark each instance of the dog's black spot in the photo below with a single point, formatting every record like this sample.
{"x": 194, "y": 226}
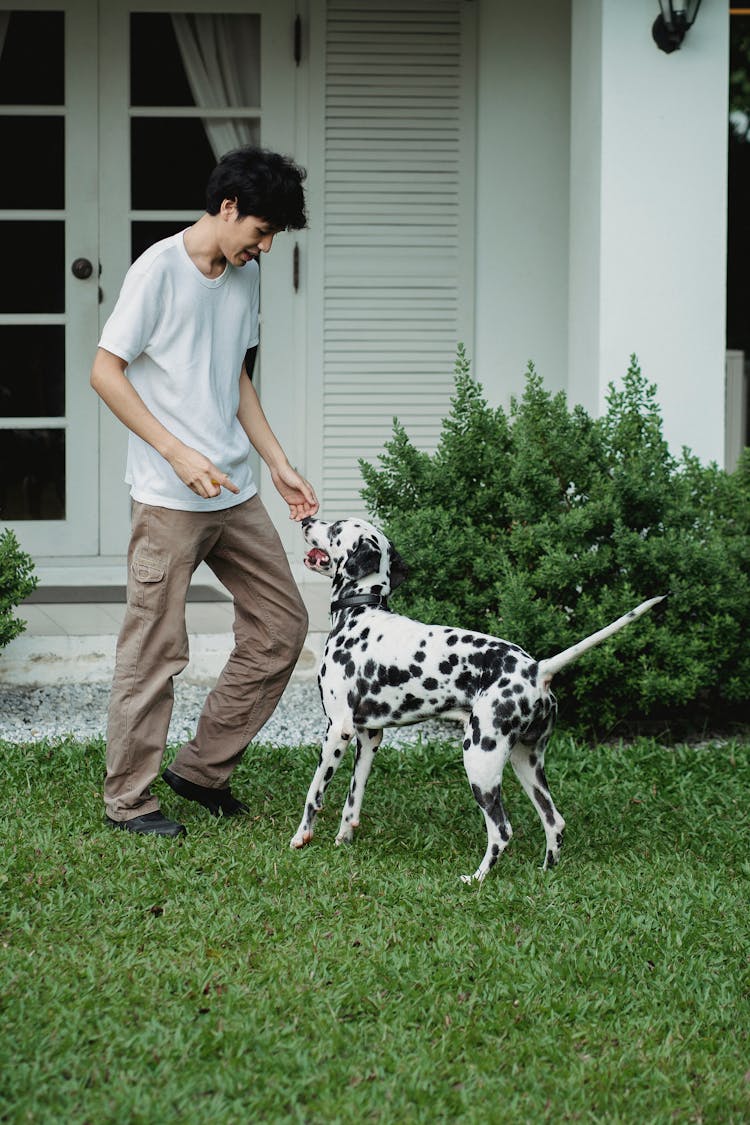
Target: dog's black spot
{"x": 447, "y": 666}
{"x": 488, "y": 743}
{"x": 518, "y": 689}
{"x": 393, "y": 675}
{"x": 509, "y": 664}
{"x": 525, "y": 706}
{"x": 416, "y": 671}
{"x": 476, "y": 730}
{"x": 420, "y": 656}
{"x": 492, "y": 804}
{"x": 544, "y": 804}
{"x": 467, "y": 744}
{"x": 479, "y": 642}
{"x": 452, "y": 639}
{"x": 503, "y": 708}
{"x": 466, "y": 682}
{"x": 429, "y": 683}
{"x": 369, "y": 669}
{"x": 541, "y": 778}
{"x": 349, "y": 669}
{"x": 371, "y": 709}
{"x": 328, "y": 774}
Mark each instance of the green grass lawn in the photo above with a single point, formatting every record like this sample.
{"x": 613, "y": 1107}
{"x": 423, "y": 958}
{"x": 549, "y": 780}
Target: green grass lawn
{"x": 225, "y": 978}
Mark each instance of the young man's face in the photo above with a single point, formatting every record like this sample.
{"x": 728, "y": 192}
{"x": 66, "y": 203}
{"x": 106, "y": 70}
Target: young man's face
{"x": 245, "y": 238}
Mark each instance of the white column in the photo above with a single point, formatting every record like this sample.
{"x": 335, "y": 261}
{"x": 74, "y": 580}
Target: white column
{"x": 522, "y": 194}
{"x": 648, "y": 214}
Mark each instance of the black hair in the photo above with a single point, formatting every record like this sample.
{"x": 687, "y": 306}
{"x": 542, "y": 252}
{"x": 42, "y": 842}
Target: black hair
{"x": 263, "y": 183}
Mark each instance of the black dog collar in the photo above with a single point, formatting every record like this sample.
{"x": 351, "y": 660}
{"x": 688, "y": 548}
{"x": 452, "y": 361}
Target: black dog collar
{"x": 353, "y": 600}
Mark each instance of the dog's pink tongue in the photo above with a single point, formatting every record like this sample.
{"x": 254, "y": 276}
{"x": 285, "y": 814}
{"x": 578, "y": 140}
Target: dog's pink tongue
{"x": 315, "y": 555}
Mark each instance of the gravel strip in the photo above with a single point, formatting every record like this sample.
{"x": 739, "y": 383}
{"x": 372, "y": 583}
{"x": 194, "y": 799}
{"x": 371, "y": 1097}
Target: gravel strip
{"x": 80, "y": 711}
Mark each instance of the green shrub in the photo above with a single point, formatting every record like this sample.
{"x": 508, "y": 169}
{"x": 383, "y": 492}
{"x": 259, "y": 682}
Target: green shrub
{"x": 544, "y": 524}
{"x": 16, "y": 583}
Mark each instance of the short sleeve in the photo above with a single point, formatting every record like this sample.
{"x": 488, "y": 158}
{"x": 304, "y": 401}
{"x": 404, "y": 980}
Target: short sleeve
{"x": 135, "y": 316}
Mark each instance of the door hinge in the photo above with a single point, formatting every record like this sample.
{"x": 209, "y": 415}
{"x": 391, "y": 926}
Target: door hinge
{"x": 297, "y": 40}
{"x": 295, "y": 268}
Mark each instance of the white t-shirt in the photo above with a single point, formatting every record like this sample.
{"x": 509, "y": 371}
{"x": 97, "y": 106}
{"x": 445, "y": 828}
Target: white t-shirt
{"x": 184, "y": 337}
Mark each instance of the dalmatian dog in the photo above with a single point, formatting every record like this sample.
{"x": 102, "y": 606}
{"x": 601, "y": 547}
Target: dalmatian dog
{"x": 380, "y": 669}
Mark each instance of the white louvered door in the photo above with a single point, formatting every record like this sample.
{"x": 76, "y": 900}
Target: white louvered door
{"x": 398, "y": 214}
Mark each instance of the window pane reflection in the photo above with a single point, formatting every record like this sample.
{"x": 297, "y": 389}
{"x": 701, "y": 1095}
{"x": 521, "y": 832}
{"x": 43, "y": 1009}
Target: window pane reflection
{"x": 32, "y": 62}
{"x": 32, "y": 484}
{"x": 36, "y": 283}
{"x": 157, "y": 76}
{"x": 32, "y": 371}
{"x": 143, "y": 235}
{"x": 27, "y": 138}
{"x": 171, "y": 161}
{"x": 160, "y": 77}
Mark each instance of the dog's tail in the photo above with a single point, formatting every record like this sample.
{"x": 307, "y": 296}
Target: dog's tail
{"x": 550, "y": 668}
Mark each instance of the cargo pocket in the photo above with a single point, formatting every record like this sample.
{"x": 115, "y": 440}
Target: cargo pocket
{"x": 147, "y": 588}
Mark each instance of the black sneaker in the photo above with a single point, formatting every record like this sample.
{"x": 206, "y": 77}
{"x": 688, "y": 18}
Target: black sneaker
{"x": 219, "y": 802}
{"x": 150, "y": 824}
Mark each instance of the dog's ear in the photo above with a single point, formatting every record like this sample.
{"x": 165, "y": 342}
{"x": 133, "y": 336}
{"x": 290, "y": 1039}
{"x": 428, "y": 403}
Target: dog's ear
{"x": 399, "y": 569}
{"x": 364, "y": 559}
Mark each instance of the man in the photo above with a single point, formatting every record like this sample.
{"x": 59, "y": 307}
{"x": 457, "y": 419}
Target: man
{"x": 171, "y": 366}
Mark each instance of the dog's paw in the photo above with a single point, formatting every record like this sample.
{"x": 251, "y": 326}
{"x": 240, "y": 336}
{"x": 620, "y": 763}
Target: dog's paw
{"x": 300, "y": 839}
{"x": 346, "y": 833}
{"x": 477, "y": 877}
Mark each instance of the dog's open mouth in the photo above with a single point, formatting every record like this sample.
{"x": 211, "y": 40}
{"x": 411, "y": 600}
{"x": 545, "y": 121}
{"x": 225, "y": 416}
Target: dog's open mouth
{"x": 316, "y": 558}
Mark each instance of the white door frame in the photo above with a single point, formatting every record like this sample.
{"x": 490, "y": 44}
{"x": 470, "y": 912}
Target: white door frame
{"x": 77, "y": 534}
{"x": 280, "y": 377}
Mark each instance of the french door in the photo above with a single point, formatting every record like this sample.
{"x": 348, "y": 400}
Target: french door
{"x": 49, "y": 310}
{"x": 115, "y": 112}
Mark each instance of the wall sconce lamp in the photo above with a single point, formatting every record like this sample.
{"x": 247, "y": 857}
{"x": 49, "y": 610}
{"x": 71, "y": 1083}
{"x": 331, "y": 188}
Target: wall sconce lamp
{"x": 673, "y": 23}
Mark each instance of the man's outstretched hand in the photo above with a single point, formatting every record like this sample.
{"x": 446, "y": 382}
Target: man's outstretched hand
{"x": 298, "y": 493}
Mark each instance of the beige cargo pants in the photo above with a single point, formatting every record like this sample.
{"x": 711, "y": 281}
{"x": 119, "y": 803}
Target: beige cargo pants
{"x": 243, "y": 549}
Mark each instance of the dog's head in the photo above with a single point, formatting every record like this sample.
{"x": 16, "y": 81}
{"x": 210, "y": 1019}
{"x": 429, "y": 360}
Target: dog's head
{"x": 354, "y": 554}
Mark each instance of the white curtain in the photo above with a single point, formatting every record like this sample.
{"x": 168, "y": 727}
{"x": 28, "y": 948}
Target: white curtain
{"x": 221, "y": 56}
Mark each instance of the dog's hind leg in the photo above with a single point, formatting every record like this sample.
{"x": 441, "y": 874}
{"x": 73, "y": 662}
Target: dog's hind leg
{"x": 485, "y": 756}
{"x": 333, "y": 749}
{"x": 367, "y": 745}
{"x": 528, "y": 762}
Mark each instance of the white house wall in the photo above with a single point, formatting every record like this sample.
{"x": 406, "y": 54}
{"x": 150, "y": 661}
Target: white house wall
{"x": 523, "y": 162}
{"x": 648, "y": 214}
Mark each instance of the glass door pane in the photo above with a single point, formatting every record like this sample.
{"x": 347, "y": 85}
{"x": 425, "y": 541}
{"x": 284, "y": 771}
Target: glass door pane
{"x": 48, "y": 317}
{"x": 197, "y": 80}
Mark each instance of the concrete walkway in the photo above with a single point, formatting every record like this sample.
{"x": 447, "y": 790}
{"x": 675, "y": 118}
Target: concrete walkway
{"x": 67, "y": 642}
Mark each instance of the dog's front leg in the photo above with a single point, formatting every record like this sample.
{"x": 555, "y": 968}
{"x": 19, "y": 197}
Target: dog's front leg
{"x": 332, "y": 751}
{"x": 367, "y": 744}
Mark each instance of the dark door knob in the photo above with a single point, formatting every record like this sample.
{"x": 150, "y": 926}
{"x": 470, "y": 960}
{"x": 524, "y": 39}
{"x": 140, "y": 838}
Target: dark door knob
{"x": 82, "y": 268}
